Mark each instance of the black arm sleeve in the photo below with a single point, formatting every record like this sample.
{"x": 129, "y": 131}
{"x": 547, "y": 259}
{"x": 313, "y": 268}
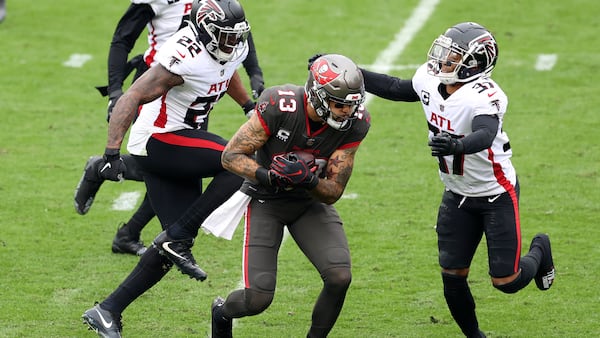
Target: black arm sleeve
{"x": 389, "y": 87}
{"x": 251, "y": 62}
{"x": 128, "y": 30}
{"x": 484, "y": 129}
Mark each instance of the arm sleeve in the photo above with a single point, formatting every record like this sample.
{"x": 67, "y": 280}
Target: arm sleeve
{"x": 128, "y": 30}
{"x": 389, "y": 87}
{"x": 484, "y": 129}
{"x": 251, "y": 62}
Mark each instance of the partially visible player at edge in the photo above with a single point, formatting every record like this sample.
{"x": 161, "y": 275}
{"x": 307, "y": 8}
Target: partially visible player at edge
{"x": 465, "y": 110}
{"x": 162, "y": 19}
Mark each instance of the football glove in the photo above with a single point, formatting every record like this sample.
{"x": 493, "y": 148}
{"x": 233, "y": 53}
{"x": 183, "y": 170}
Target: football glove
{"x": 112, "y": 100}
{"x": 113, "y": 168}
{"x": 295, "y": 171}
{"x": 443, "y": 144}
{"x": 257, "y": 83}
{"x": 270, "y": 179}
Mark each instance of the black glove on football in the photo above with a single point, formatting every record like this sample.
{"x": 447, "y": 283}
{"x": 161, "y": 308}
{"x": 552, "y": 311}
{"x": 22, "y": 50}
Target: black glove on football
{"x": 443, "y": 144}
{"x": 312, "y": 59}
{"x": 248, "y": 108}
{"x": 112, "y": 100}
{"x": 270, "y": 179}
{"x": 257, "y": 83}
{"x": 295, "y": 171}
{"x": 113, "y": 167}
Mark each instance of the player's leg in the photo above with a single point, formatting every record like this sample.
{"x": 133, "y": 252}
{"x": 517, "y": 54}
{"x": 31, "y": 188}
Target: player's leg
{"x": 127, "y": 239}
{"x": 509, "y": 271}
{"x": 459, "y": 233}
{"x": 91, "y": 181}
{"x": 2, "y": 10}
{"x": 263, "y": 233}
{"x": 320, "y": 235}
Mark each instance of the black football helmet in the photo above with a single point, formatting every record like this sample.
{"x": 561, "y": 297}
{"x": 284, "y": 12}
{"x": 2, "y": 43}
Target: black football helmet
{"x": 221, "y": 26}
{"x": 474, "y": 45}
{"x": 334, "y": 77}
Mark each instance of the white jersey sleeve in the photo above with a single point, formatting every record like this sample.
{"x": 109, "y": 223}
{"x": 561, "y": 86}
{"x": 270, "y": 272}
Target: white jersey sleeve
{"x": 185, "y": 106}
{"x": 487, "y": 172}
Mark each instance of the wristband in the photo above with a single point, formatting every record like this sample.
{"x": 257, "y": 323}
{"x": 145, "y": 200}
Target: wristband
{"x": 262, "y": 176}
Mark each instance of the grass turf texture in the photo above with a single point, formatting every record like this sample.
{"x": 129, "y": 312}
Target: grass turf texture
{"x": 54, "y": 263}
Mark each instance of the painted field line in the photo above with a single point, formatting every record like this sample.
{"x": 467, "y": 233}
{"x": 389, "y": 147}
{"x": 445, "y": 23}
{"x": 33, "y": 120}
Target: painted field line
{"x": 126, "y": 201}
{"x": 77, "y": 60}
{"x": 545, "y": 62}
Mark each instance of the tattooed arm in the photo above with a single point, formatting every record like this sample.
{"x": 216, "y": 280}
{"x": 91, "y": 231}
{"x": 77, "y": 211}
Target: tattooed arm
{"x": 237, "y": 154}
{"x": 339, "y": 169}
{"x": 154, "y": 83}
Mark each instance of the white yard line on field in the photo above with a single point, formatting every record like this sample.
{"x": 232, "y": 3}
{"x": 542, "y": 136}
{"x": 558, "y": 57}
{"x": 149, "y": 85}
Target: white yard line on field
{"x": 126, "y": 201}
{"x": 545, "y": 62}
{"x": 77, "y": 60}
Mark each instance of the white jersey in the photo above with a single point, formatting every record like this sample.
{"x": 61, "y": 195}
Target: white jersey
{"x": 485, "y": 173}
{"x": 185, "y": 106}
{"x": 167, "y": 20}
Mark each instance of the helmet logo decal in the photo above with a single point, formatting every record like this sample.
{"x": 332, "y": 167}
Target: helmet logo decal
{"x": 211, "y": 10}
{"x": 322, "y": 72}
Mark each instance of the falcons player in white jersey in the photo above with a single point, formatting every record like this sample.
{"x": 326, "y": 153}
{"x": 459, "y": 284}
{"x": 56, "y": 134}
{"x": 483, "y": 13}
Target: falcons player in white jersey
{"x": 465, "y": 110}
{"x": 161, "y": 19}
{"x": 196, "y": 67}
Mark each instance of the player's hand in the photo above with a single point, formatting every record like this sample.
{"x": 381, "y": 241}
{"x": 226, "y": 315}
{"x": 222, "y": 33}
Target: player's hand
{"x": 113, "y": 167}
{"x": 295, "y": 171}
{"x": 443, "y": 144}
{"x": 257, "y": 83}
{"x": 248, "y": 108}
{"x": 312, "y": 59}
{"x": 112, "y": 100}
{"x": 270, "y": 179}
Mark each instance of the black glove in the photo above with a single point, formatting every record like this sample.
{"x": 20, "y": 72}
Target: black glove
{"x": 270, "y": 179}
{"x": 257, "y": 83}
{"x": 113, "y": 167}
{"x": 443, "y": 144}
{"x": 248, "y": 108}
{"x": 295, "y": 171}
{"x": 112, "y": 100}
{"x": 312, "y": 59}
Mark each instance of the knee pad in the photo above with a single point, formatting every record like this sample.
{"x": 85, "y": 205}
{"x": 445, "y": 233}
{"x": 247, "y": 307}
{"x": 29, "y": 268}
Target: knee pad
{"x": 256, "y": 301}
{"x": 337, "y": 278}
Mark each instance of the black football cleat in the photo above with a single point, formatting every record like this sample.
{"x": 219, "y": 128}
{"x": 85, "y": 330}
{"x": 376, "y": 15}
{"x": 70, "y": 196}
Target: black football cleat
{"x": 179, "y": 252}
{"x": 125, "y": 243}
{"x": 221, "y": 326}
{"x": 545, "y": 275}
{"x": 104, "y": 323}
{"x": 88, "y": 185}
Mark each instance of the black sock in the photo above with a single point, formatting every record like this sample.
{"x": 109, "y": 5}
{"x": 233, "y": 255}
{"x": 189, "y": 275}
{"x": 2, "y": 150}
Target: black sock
{"x": 142, "y": 216}
{"x": 222, "y": 186}
{"x": 461, "y": 303}
{"x": 528, "y": 266}
{"x": 151, "y": 268}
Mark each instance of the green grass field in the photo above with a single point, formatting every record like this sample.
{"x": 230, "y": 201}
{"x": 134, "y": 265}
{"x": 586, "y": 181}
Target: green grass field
{"x": 54, "y": 263}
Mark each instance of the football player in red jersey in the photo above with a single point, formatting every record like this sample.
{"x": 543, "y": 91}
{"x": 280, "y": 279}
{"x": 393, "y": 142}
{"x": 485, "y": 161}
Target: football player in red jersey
{"x": 327, "y": 119}
{"x": 162, "y": 19}
{"x": 465, "y": 111}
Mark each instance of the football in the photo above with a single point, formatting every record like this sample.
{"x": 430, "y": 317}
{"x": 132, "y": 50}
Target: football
{"x": 307, "y": 157}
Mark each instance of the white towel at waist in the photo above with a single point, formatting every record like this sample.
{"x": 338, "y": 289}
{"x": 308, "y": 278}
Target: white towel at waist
{"x": 224, "y": 220}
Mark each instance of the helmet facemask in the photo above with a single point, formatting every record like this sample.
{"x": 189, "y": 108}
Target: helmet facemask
{"x": 227, "y": 43}
{"x": 335, "y": 79}
{"x": 221, "y": 26}
{"x": 472, "y": 56}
